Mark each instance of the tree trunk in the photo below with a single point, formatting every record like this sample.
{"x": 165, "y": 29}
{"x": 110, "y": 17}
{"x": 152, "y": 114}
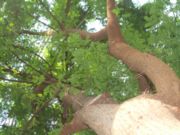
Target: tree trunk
{"x": 139, "y": 116}
{"x": 157, "y": 114}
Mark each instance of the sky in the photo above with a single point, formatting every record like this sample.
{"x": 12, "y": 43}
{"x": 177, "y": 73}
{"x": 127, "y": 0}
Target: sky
{"x": 96, "y": 25}
{"x": 141, "y": 2}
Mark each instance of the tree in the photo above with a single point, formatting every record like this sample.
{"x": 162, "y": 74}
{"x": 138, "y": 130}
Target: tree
{"x": 48, "y": 57}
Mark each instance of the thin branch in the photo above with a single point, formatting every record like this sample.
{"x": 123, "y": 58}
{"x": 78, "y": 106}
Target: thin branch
{"x": 40, "y": 72}
{"x": 10, "y": 70}
{"x": 43, "y": 33}
{"x": 46, "y": 103}
{"x": 68, "y": 6}
{"x": 30, "y": 32}
{"x": 95, "y": 36}
{"x": 25, "y": 49}
{"x": 37, "y": 19}
{"x": 69, "y": 85}
{"x": 82, "y": 21}
{"x": 13, "y": 80}
{"x": 49, "y": 79}
{"x": 38, "y": 111}
{"x": 51, "y": 14}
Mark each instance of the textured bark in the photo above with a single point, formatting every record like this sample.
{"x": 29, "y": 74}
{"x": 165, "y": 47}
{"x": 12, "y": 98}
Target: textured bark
{"x": 73, "y": 127}
{"x": 78, "y": 102}
{"x": 142, "y": 115}
{"x": 165, "y": 80}
{"x": 144, "y": 86}
{"x": 138, "y": 116}
{"x": 96, "y": 36}
{"x": 157, "y": 114}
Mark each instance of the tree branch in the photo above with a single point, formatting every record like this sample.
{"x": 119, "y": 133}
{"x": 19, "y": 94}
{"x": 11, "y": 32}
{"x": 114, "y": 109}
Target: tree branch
{"x": 13, "y": 80}
{"x": 38, "y": 71}
{"x": 158, "y": 72}
{"x": 43, "y": 33}
{"x": 51, "y": 14}
{"x": 78, "y": 102}
{"x": 26, "y": 49}
{"x": 96, "y": 36}
{"x": 39, "y": 110}
{"x": 68, "y": 6}
{"x": 36, "y": 18}
{"x": 10, "y": 70}
{"x": 49, "y": 79}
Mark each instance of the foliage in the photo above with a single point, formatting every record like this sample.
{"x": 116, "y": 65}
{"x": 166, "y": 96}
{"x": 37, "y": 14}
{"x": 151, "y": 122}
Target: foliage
{"x": 77, "y": 64}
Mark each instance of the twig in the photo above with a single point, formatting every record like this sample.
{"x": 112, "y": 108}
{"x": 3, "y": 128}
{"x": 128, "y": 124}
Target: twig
{"x": 25, "y": 49}
{"x": 51, "y": 14}
{"x": 40, "y": 72}
{"x": 13, "y": 80}
{"x": 42, "y": 33}
{"x": 38, "y": 111}
{"x": 36, "y": 18}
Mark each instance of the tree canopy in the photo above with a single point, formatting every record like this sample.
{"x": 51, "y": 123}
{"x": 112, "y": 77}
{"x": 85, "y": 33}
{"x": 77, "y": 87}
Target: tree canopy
{"x": 47, "y": 51}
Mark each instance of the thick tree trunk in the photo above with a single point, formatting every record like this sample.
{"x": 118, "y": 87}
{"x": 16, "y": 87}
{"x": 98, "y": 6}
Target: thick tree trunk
{"x": 157, "y": 114}
{"x": 139, "y": 116}
{"x": 78, "y": 102}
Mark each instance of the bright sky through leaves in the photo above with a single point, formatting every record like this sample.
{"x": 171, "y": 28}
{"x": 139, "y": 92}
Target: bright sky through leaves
{"x": 96, "y": 25}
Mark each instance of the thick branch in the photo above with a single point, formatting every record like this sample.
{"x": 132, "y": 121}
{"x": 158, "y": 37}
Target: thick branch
{"x": 114, "y": 34}
{"x": 49, "y": 79}
{"x": 134, "y": 116}
{"x": 161, "y": 75}
{"x": 78, "y": 102}
{"x": 68, "y": 6}
{"x": 96, "y": 36}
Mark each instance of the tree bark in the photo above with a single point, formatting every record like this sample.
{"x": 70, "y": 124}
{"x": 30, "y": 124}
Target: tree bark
{"x": 165, "y": 80}
{"x": 138, "y": 116}
{"x": 78, "y": 102}
{"x": 146, "y": 114}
